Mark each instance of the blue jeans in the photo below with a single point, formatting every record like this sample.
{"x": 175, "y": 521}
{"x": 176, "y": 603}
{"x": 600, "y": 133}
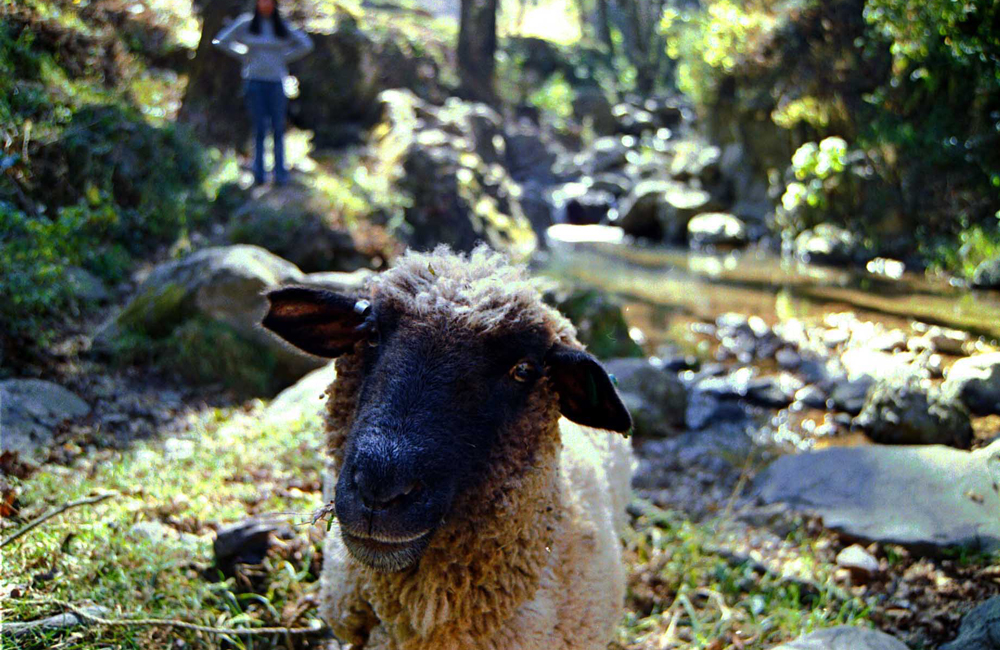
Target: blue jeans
{"x": 267, "y": 103}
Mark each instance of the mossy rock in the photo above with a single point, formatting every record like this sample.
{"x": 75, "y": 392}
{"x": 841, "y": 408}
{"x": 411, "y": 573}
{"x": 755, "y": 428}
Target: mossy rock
{"x": 200, "y": 316}
{"x": 599, "y": 322}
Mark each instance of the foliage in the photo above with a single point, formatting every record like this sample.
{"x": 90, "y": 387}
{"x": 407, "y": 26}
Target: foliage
{"x": 87, "y": 179}
{"x": 914, "y": 88}
{"x": 971, "y": 247}
{"x": 555, "y": 97}
{"x": 825, "y": 185}
{"x": 710, "y": 44}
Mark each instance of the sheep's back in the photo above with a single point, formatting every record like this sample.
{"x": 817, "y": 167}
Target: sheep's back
{"x": 595, "y": 471}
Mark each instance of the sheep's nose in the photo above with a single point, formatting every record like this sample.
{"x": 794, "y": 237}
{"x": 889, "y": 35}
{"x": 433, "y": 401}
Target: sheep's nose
{"x": 379, "y": 493}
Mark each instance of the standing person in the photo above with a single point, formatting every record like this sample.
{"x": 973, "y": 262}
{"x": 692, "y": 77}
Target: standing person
{"x": 265, "y": 45}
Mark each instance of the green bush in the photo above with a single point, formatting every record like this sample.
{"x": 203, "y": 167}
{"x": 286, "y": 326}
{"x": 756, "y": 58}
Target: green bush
{"x": 913, "y": 87}
{"x": 85, "y": 180}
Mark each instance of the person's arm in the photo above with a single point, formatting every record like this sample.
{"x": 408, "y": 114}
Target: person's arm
{"x": 301, "y": 45}
{"x": 228, "y": 40}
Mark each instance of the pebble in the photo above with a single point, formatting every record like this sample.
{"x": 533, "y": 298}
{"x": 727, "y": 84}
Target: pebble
{"x": 861, "y": 564}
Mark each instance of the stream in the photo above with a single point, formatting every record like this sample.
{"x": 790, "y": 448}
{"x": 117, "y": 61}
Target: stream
{"x": 663, "y": 290}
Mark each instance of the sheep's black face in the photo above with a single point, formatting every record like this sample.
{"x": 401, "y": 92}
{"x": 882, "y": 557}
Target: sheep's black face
{"x": 430, "y": 408}
{"x": 432, "y": 403}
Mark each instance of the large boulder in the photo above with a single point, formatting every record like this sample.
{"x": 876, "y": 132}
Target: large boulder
{"x": 30, "y": 411}
{"x": 201, "y": 315}
{"x": 655, "y": 397}
{"x": 844, "y": 637}
{"x": 980, "y": 629}
{"x": 976, "y": 382}
{"x": 295, "y": 223}
{"x": 923, "y": 497}
{"x": 661, "y": 210}
{"x": 905, "y": 411}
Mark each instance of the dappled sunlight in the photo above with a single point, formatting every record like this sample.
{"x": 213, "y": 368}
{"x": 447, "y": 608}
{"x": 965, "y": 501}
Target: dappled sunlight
{"x": 772, "y": 227}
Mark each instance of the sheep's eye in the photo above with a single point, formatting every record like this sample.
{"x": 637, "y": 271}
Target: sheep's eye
{"x": 522, "y": 371}
{"x": 374, "y": 337}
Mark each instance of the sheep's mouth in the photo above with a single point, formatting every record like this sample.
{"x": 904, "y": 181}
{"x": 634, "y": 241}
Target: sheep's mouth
{"x": 387, "y": 553}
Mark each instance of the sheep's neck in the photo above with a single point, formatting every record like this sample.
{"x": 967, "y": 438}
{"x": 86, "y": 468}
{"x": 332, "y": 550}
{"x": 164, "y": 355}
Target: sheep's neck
{"x": 489, "y": 558}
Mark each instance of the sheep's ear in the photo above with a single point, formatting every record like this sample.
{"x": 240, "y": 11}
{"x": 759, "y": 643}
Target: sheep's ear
{"x": 317, "y": 321}
{"x": 586, "y": 393}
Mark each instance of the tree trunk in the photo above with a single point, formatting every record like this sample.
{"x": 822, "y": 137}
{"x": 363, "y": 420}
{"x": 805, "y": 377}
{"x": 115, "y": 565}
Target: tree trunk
{"x": 477, "y": 46}
{"x": 604, "y": 26}
{"x": 213, "y": 101}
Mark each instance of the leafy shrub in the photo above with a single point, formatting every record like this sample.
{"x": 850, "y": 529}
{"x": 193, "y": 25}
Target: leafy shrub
{"x": 914, "y": 87}
{"x": 555, "y": 97}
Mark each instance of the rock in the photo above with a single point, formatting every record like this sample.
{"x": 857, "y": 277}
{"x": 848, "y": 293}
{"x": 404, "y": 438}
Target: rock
{"x": 940, "y": 339}
{"x": 607, "y": 154}
{"x": 844, "y": 637}
{"x": 980, "y": 629}
{"x": 661, "y": 210}
{"x": 666, "y": 110}
{"x": 827, "y": 244}
{"x": 245, "y": 542}
{"x": 341, "y": 80}
{"x": 861, "y": 564}
{"x": 31, "y": 411}
{"x": 579, "y": 204}
{"x": 716, "y": 229}
{"x": 528, "y": 157}
{"x": 304, "y": 400}
{"x": 591, "y": 104}
{"x": 208, "y": 307}
{"x": 975, "y": 381}
{"x": 339, "y": 281}
{"x": 696, "y": 160}
{"x": 599, "y": 322}
{"x": 429, "y": 156}
{"x": 632, "y": 120}
{"x": 926, "y": 497}
{"x": 655, "y": 397}
{"x": 614, "y": 183}
{"x": 987, "y": 275}
{"x": 567, "y": 234}
{"x": 731, "y": 386}
{"x": 86, "y": 286}
{"x": 774, "y": 391}
{"x": 908, "y": 412}
{"x": 293, "y": 224}
{"x": 813, "y": 396}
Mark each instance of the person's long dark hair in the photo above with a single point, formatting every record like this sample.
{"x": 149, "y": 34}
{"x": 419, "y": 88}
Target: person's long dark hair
{"x": 279, "y": 25}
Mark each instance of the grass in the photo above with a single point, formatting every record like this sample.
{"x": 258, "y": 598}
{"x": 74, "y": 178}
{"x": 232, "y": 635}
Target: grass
{"x": 231, "y": 465}
{"x": 235, "y": 463}
{"x": 685, "y": 591}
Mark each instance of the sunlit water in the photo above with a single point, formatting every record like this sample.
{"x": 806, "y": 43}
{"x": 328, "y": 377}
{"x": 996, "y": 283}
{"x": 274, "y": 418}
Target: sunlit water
{"x": 663, "y": 289}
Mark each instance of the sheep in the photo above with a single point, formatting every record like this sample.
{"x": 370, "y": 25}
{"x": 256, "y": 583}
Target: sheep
{"x": 479, "y": 494}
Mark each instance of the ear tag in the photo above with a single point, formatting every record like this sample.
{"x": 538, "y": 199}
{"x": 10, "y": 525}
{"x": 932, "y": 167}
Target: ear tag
{"x": 614, "y": 380}
{"x": 362, "y": 307}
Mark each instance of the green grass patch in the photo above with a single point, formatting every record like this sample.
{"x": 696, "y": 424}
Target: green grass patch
{"x": 684, "y": 592}
{"x": 227, "y": 467}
